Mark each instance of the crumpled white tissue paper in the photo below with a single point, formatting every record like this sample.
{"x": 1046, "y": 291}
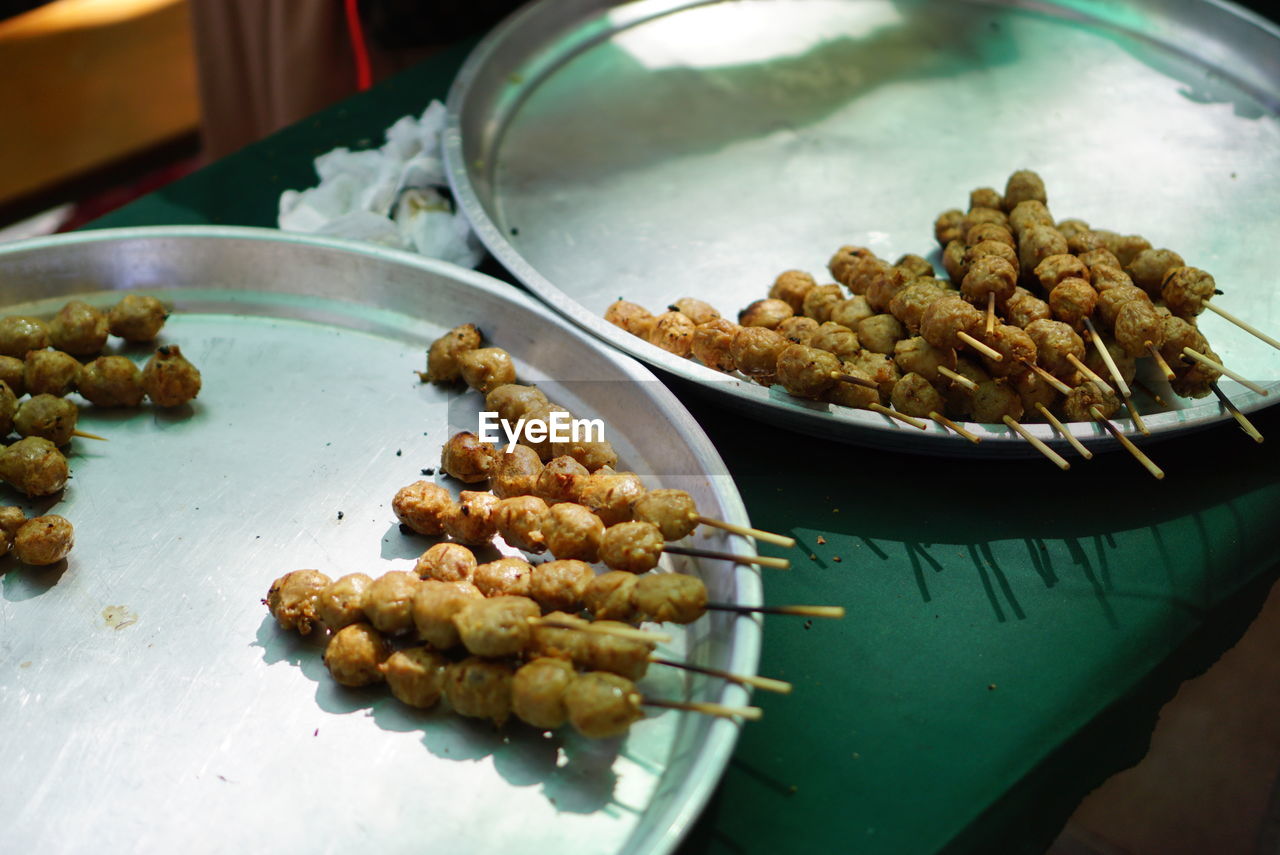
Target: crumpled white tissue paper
{"x": 389, "y": 195}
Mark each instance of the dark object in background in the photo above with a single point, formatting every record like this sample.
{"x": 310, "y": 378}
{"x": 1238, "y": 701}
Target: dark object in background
{"x": 398, "y": 24}
{"x": 9, "y": 8}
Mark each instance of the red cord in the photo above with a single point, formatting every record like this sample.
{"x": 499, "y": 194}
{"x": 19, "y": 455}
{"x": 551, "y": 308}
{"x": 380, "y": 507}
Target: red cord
{"x": 364, "y": 73}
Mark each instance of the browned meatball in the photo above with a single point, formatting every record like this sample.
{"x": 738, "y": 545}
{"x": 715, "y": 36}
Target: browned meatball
{"x": 519, "y": 521}
{"x": 672, "y": 511}
{"x": 622, "y": 656}
{"x": 608, "y": 596}
{"x": 1148, "y": 268}
{"x": 959, "y": 397}
{"x": 572, "y": 531}
{"x": 602, "y": 705}
{"x": 45, "y": 540}
{"x": 423, "y": 507}
{"x": 985, "y": 197}
{"x": 111, "y": 381}
{"x": 879, "y": 368}
{"x": 990, "y": 232}
{"x": 791, "y": 286}
{"x": 137, "y": 317}
{"x": 848, "y": 312}
{"x": 388, "y": 602}
{"x": 546, "y": 415}
{"x": 609, "y": 495}
{"x": 19, "y": 334}
{"x": 434, "y": 605}
{"x": 498, "y": 626}
{"x": 1088, "y": 241}
{"x": 1195, "y": 380}
{"x": 1178, "y": 334}
{"x": 673, "y": 332}
{"x": 695, "y": 310}
{"x": 1027, "y": 214}
{"x": 632, "y": 317}
{"x": 1127, "y": 365}
{"x": 633, "y": 547}
{"x": 1125, "y": 247}
{"x": 821, "y": 301}
{"x": 917, "y": 355}
{"x": 78, "y": 329}
{"x": 914, "y": 266}
{"x": 884, "y": 286}
{"x": 806, "y": 372}
{"x": 670, "y": 597}
{"x": 468, "y": 459}
{"x": 1036, "y": 243}
{"x": 851, "y": 265}
{"x": 487, "y": 368}
{"x": 711, "y": 343}
{"x": 341, "y": 603}
{"x": 355, "y": 655}
{"x": 766, "y": 313}
{"x": 1105, "y": 277}
{"x": 1137, "y": 324}
{"x": 50, "y": 372}
{"x": 989, "y": 274}
{"x": 1071, "y": 227}
{"x": 561, "y": 480}
{"x": 1186, "y": 289}
{"x": 799, "y": 329}
{"x": 1055, "y": 268}
{"x": 472, "y": 519}
{"x": 1033, "y": 389}
{"x": 1023, "y": 185}
{"x": 944, "y": 318}
{"x": 1024, "y": 308}
{"x": 879, "y": 333}
{"x": 560, "y": 584}
{"x": 505, "y": 576}
{"x": 537, "y": 692}
{"x": 416, "y": 676}
{"x": 1095, "y": 257}
{"x": 1072, "y": 300}
{"x": 838, "y": 340}
{"x": 1015, "y": 346}
{"x": 978, "y": 216}
{"x": 480, "y": 688}
{"x": 447, "y": 562}
{"x": 986, "y": 248}
{"x": 915, "y": 396}
{"x": 946, "y": 227}
{"x": 443, "y": 355}
{"x": 993, "y": 400}
{"x": 12, "y": 371}
{"x": 1054, "y": 341}
{"x": 169, "y": 379}
{"x": 591, "y": 453}
{"x": 1112, "y": 300}
{"x": 515, "y": 472}
{"x": 8, "y": 408}
{"x": 47, "y": 416}
{"x": 1076, "y": 406}
{"x": 34, "y": 466}
{"x": 755, "y": 351}
{"x": 908, "y": 305}
{"x": 294, "y": 599}
{"x": 953, "y": 255}
{"x": 512, "y": 401}
{"x": 850, "y": 394}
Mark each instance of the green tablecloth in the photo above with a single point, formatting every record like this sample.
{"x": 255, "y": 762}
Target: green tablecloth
{"x": 1012, "y": 629}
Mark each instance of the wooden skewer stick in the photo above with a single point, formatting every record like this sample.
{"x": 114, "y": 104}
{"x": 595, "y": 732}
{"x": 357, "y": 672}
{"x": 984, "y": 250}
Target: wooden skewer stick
{"x": 1037, "y": 444}
{"x": 1224, "y": 370}
{"x": 1090, "y": 373}
{"x": 718, "y": 710}
{"x": 957, "y": 378}
{"x": 1245, "y": 424}
{"x": 1136, "y": 416}
{"x": 1062, "y": 388}
{"x": 835, "y": 612}
{"x": 1160, "y": 363}
{"x": 991, "y": 312}
{"x": 642, "y": 635}
{"x": 989, "y": 352}
{"x": 88, "y": 435}
{"x": 758, "y": 534}
{"x": 1062, "y": 429}
{"x": 894, "y": 414}
{"x": 950, "y": 425}
{"x": 769, "y": 684}
{"x": 1127, "y": 443}
{"x": 864, "y": 382}
{"x": 1244, "y": 325}
{"x": 1114, "y": 371}
{"x": 762, "y": 560}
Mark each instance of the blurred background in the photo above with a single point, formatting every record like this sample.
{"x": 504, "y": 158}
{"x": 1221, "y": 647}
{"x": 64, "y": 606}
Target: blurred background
{"x": 107, "y": 100}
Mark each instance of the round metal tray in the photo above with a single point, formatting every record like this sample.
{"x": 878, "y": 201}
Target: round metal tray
{"x": 146, "y": 698}
{"x": 656, "y": 149}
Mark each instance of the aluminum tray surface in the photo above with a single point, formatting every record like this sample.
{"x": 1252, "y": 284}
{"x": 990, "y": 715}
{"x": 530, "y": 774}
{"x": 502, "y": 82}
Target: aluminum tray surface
{"x": 654, "y": 150}
{"x": 148, "y": 702}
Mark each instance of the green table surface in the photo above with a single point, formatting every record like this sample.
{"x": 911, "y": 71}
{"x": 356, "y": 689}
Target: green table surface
{"x": 1012, "y": 629}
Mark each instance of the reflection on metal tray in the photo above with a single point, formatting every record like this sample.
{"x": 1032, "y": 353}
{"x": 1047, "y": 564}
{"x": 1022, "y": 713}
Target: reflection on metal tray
{"x": 146, "y": 698}
{"x": 657, "y": 149}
